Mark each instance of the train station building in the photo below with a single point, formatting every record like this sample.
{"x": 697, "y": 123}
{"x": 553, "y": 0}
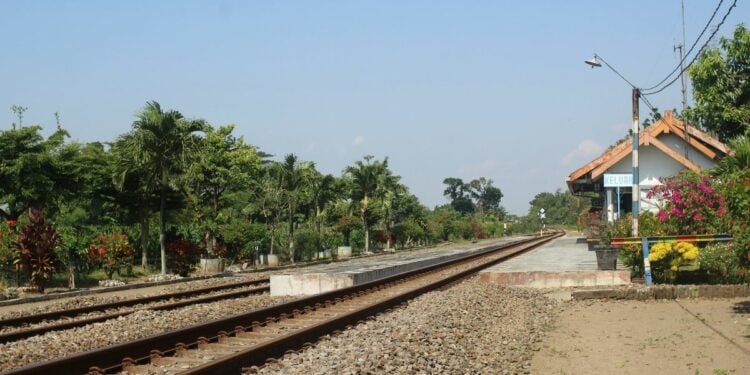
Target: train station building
{"x": 665, "y": 148}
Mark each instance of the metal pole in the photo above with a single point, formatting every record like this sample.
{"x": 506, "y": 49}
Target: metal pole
{"x": 619, "y": 211}
{"x": 646, "y": 263}
{"x": 636, "y": 180}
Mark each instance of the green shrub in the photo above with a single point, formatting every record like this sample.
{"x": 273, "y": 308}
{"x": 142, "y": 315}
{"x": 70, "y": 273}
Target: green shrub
{"x": 721, "y": 263}
{"x": 306, "y": 243}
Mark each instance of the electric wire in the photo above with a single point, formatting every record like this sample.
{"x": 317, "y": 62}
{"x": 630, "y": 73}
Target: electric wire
{"x": 690, "y": 50}
{"x": 716, "y": 30}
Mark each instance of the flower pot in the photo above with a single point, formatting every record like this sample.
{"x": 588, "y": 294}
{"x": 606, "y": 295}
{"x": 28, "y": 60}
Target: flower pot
{"x": 606, "y": 257}
{"x": 592, "y": 242}
{"x": 273, "y": 260}
{"x": 212, "y": 265}
{"x": 344, "y": 252}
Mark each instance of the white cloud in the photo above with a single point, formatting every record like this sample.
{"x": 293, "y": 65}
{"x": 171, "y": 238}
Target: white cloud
{"x": 586, "y": 150}
{"x": 359, "y": 140}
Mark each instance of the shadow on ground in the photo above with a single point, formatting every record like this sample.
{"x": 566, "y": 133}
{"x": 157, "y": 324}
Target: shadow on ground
{"x": 742, "y": 307}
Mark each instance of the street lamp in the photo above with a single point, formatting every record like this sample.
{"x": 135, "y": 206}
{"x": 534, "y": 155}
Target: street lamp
{"x": 596, "y": 62}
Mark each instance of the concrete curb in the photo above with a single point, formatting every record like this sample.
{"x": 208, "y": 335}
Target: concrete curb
{"x": 666, "y": 292}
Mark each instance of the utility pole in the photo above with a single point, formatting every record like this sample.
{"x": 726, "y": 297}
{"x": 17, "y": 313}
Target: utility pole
{"x": 636, "y": 179}
{"x": 683, "y": 81}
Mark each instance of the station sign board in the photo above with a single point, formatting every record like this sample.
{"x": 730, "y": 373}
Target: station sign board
{"x": 618, "y": 179}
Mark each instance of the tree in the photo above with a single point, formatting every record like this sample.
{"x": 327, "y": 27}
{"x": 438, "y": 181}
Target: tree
{"x": 222, "y": 162}
{"x": 323, "y": 190}
{"x": 137, "y": 187}
{"x": 364, "y": 175}
{"x": 721, "y": 86}
{"x": 388, "y": 191}
{"x": 560, "y": 207}
{"x": 18, "y": 110}
{"x": 293, "y": 177}
{"x": 456, "y": 191}
{"x": 30, "y": 172}
{"x": 486, "y": 196}
{"x": 739, "y": 161}
{"x": 161, "y": 141}
{"x": 268, "y": 200}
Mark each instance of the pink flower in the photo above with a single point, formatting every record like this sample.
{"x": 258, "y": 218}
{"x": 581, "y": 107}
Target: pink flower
{"x": 677, "y": 212}
{"x": 662, "y": 216}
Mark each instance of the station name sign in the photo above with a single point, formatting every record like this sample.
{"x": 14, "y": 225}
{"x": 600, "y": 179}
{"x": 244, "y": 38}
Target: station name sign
{"x": 618, "y": 179}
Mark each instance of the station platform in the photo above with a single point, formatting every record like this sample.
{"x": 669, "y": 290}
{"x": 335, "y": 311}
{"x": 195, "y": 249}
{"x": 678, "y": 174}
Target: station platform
{"x": 355, "y": 272}
{"x": 563, "y": 262}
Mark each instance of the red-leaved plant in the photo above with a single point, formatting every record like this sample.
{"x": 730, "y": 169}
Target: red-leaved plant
{"x": 183, "y": 256}
{"x": 37, "y": 242}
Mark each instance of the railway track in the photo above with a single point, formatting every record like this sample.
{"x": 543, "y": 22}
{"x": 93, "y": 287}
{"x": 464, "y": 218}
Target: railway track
{"x": 236, "y": 343}
{"x": 71, "y": 318}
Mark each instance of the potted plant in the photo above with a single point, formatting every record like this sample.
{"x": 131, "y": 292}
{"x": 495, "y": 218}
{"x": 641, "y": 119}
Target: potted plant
{"x": 606, "y": 257}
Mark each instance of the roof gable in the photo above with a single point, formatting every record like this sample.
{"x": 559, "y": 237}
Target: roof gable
{"x": 704, "y": 143}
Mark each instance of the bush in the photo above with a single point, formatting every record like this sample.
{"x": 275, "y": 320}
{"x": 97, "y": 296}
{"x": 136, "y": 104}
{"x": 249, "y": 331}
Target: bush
{"x": 38, "y": 241}
{"x": 111, "y": 252}
{"x": 306, "y": 243}
{"x": 632, "y": 255}
{"x": 183, "y": 256}
{"x": 721, "y": 264}
{"x": 9, "y": 250}
{"x": 737, "y": 194}
{"x": 666, "y": 259}
{"x": 692, "y": 204}
{"x": 346, "y": 225}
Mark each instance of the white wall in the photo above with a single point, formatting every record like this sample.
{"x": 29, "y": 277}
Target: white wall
{"x": 653, "y": 163}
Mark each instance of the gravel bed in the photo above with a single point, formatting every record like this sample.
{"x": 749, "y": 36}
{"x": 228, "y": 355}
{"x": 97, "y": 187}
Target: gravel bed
{"x": 137, "y": 325}
{"x": 471, "y": 328}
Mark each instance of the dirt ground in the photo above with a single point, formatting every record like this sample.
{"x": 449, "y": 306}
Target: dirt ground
{"x": 652, "y": 337}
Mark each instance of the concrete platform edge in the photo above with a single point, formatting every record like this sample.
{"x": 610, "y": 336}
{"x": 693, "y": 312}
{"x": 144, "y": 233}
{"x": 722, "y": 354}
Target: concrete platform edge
{"x": 666, "y": 292}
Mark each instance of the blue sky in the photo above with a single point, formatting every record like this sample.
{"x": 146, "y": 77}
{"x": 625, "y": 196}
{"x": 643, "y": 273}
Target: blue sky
{"x": 443, "y": 88}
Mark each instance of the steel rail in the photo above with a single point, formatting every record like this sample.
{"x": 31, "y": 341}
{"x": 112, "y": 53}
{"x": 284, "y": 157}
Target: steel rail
{"x": 36, "y": 318}
{"x": 113, "y": 358}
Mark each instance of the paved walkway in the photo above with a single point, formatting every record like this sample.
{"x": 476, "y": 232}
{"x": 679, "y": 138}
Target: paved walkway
{"x": 565, "y": 261}
{"x": 560, "y": 255}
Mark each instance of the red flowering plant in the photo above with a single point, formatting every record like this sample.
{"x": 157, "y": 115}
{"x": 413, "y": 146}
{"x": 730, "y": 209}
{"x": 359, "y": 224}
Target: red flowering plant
{"x": 691, "y": 204}
{"x": 111, "y": 251}
{"x": 476, "y": 230}
{"x": 183, "y": 256}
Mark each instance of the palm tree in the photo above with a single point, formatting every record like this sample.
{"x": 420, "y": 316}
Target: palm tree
{"x": 388, "y": 190}
{"x": 294, "y": 176}
{"x": 323, "y": 191}
{"x": 160, "y": 141}
{"x": 365, "y": 176}
{"x": 136, "y": 188}
{"x": 738, "y": 160}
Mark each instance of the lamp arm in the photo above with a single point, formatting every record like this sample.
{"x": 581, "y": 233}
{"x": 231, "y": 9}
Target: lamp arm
{"x": 615, "y": 70}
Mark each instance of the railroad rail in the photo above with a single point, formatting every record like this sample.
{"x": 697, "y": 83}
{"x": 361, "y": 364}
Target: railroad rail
{"x": 235, "y": 343}
{"x": 184, "y": 299}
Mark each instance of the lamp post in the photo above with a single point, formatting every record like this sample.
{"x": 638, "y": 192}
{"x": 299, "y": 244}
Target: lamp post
{"x": 596, "y": 62}
{"x": 542, "y": 216}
